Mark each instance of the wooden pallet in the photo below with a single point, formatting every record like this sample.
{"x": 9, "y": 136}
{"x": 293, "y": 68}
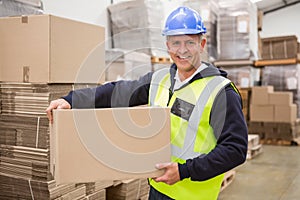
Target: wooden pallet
{"x": 276, "y": 133}
{"x": 281, "y": 142}
{"x": 228, "y": 178}
{"x": 253, "y": 140}
{"x": 289, "y": 61}
{"x": 254, "y": 151}
{"x": 160, "y": 59}
{"x": 235, "y": 62}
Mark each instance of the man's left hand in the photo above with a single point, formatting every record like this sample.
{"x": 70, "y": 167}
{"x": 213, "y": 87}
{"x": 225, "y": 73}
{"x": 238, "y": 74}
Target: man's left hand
{"x": 171, "y": 174}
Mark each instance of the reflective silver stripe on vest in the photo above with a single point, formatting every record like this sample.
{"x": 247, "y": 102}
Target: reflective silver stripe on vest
{"x": 187, "y": 151}
{"x": 155, "y": 82}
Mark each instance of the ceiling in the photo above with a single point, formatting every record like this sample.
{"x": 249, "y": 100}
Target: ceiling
{"x": 268, "y": 6}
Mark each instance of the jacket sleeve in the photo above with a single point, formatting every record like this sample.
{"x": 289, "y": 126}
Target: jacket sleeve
{"x": 113, "y": 94}
{"x": 228, "y": 123}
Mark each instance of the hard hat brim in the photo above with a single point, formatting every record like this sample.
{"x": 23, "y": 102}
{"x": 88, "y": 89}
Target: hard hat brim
{"x": 182, "y": 32}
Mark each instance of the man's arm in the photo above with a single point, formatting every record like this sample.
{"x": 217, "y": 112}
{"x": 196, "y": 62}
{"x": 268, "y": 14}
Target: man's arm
{"x": 113, "y": 94}
{"x": 232, "y": 143}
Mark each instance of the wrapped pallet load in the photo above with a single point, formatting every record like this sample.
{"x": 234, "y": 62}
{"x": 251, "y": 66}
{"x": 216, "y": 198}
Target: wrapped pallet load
{"x": 20, "y": 7}
{"x": 237, "y": 29}
{"x": 143, "y": 35}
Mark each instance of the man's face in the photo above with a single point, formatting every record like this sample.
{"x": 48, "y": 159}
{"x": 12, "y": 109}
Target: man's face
{"x": 185, "y": 51}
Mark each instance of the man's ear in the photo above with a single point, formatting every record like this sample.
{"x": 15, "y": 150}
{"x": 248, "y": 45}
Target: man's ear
{"x": 167, "y": 44}
{"x": 203, "y": 42}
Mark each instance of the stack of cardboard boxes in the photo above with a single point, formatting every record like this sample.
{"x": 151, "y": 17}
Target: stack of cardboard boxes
{"x": 284, "y": 78}
{"x": 42, "y": 57}
{"x": 273, "y": 114}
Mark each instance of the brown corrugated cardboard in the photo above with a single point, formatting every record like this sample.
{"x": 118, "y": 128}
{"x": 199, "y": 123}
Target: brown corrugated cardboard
{"x": 261, "y": 113}
{"x": 279, "y": 47}
{"x": 285, "y": 113}
{"x": 260, "y": 95}
{"x": 281, "y": 98}
{"x": 50, "y": 49}
{"x": 109, "y": 144}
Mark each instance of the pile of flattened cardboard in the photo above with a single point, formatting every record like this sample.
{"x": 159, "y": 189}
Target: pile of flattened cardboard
{"x": 27, "y": 131}
{"x": 25, "y": 162}
{"x": 32, "y": 98}
{"x": 128, "y": 189}
{"x": 24, "y": 145}
{"x": 25, "y": 170}
{"x": 13, "y": 187}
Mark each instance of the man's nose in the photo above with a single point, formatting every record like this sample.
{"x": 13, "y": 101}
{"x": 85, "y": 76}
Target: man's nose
{"x": 182, "y": 48}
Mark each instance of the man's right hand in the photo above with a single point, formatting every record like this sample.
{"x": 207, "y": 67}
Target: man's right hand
{"x": 56, "y": 104}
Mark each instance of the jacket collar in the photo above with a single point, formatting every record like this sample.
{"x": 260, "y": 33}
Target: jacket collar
{"x": 210, "y": 70}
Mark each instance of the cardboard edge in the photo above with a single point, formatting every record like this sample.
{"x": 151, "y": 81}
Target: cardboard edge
{"x": 53, "y": 146}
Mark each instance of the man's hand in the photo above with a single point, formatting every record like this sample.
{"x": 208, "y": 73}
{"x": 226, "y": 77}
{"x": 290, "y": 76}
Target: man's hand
{"x": 171, "y": 174}
{"x": 56, "y": 104}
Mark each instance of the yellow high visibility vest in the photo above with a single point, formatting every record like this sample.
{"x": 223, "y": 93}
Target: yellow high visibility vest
{"x": 191, "y": 133}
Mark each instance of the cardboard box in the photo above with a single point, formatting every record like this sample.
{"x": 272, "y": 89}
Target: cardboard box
{"x": 260, "y": 95}
{"x": 279, "y": 47}
{"x": 109, "y": 144}
{"x": 50, "y": 49}
{"x": 261, "y": 113}
{"x": 281, "y": 98}
{"x": 285, "y": 113}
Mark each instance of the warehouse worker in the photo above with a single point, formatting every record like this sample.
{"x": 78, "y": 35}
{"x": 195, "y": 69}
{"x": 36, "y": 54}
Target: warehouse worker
{"x": 208, "y": 130}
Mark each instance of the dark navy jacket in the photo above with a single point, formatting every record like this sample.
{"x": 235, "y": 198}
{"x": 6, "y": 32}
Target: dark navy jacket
{"x": 231, "y": 149}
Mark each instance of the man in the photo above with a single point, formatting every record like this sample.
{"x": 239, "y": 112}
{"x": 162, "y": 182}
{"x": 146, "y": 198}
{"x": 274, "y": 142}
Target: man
{"x": 208, "y": 130}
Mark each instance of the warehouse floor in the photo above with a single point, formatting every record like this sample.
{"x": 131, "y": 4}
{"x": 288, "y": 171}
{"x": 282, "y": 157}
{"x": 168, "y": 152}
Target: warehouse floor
{"x": 272, "y": 175}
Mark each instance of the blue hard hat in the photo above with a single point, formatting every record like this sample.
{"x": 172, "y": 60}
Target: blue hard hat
{"x": 184, "y": 21}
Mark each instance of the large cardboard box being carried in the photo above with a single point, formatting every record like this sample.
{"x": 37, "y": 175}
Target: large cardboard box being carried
{"x": 50, "y": 49}
{"x": 109, "y": 144}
